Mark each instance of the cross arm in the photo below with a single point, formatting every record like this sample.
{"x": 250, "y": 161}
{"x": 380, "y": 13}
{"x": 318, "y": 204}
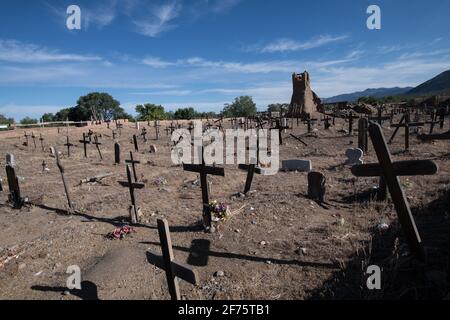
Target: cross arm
{"x": 401, "y": 168}
{"x": 181, "y": 271}
{"x": 136, "y": 185}
{"x": 204, "y": 169}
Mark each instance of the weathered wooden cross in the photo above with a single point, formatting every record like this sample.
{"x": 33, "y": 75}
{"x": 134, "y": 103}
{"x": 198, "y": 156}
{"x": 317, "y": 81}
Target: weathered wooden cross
{"x": 380, "y": 118}
{"x": 68, "y": 145}
{"x": 280, "y": 129}
{"x": 85, "y": 142}
{"x": 41, "y": 139}
{"x": 174, "y": 270}
{"x": 26, "y": 135}
{"x": 433, "y": 121}
{"x": 144, "y": 134}
{"x": 363, "y": 139}
{"x": 97, "y": 145}
{"x": 66, "y": 188}
{"x": 132, "y": 185}
{"x": 251, "y": 170}
{"x": 404, "y": 123}
{"x": 391, "y": 171}
{"x": 135, "y": 143}
{"x": 133, "y": 165}
{"x": 204, "y": 170}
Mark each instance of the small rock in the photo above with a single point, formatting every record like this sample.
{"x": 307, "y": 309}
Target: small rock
{"x": 269, "y": 262}
{"x": 237, "y": 230}
{"x": 22, "y": 266}
{"x": 219, "y": 274}
{"x": 263, "y": 243}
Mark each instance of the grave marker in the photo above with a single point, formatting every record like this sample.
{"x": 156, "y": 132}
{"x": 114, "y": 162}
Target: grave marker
{"x": 68, "y": 145}
{"x": 166, "y": 262}
{"x": 66, "y": 189}
{"x": 133, "y": 164}
{"x": 363, "y": 138}
{"x": 116, "y": 153}
{"x": 316, "y": 187}
{"x": 97, "y": 145}
{"x": 14, "y": 188}
{"x": 134, "y": 210}
{"x": 41, "y": 139}
{"x": 85, "y": 142}
{"x": 204, "y": 170}
{"x": 135, "y": 143}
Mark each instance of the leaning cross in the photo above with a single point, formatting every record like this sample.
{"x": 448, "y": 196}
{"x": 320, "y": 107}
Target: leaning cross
{"x": 166, "y": 262}
{"x": 405, "y": 123}
{"x": 390, "y": 171}
{"x": 66, "y": 189}
{"x": 34, "y": 139}
{"x": 97, "y": 145}
{"x": 14, "y": 188}
{"x": 203, "y": 170}
{"x": 251, "y": 170}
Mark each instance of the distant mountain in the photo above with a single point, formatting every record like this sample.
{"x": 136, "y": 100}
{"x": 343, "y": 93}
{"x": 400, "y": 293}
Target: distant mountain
{"x": 376, "y": 93}
{"x": 438, "y": 85}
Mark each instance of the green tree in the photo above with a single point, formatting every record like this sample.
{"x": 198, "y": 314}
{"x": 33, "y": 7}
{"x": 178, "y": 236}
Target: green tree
{"x": 48, "y": 117}
{"x": 102, "y": 103}
{"x": 150, "y": 112}
{"x": 62, "y": 115}
{"x": 4, "y": 120}
{"x": 241, "y": 107}
{"x": 185, "y": 114}
{"x": 28, "y": 120}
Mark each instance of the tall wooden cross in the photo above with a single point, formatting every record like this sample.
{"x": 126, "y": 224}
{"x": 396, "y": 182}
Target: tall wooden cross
{"x": 380, "y": 118}
{"x": 34, "y": 139}
{"x": 132, "y": 185}
{"x": 350, "y": 118}
{"x": 97, "y": 145}
{"x": 390, "y": 171}
{"x": 133, "y": 165}
{"x": 174, "y": 270}
{"x": 308, "y": 121}
{"x": 68, "y": 145}
{"x": 41, "y": 139}
{"x": 204, "y": 170}
{"x": 280, "y": 129}
{"x": 85, "y": 142}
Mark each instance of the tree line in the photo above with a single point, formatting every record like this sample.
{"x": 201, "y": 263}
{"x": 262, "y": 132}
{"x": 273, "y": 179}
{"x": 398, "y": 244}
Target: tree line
{"x": 103, "y": 106}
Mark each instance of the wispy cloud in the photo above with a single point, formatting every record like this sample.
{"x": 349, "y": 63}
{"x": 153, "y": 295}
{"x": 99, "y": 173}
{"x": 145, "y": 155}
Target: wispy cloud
{"x": 155, "y": 62}
{"x": 160, "y": 20}
{"x": 284, "y": 44}
{"x": 220, "y": 6}
{"x": 15, "y": 51}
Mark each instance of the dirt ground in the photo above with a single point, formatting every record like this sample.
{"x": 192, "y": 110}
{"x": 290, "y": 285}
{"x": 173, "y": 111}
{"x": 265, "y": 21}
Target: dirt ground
{"x": 281, "y": 245}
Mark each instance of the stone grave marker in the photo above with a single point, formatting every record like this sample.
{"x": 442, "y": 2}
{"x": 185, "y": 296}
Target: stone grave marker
{"x": 296, "y": 165}
{"x": 316, "y": 186}
{"x": 354, "y": 156}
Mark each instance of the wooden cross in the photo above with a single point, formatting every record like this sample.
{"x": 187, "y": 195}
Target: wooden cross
{"x": 380, "y": 118}
{"x": 116, "y": 153}
{"x": 363, "y": 141}
{"x": 66, "y": 189}
{"x": 34, "y": 139}
{"x": 280, "y": 129}
{"x": 405, "y": 123}
{"x": 350, "y": 118}
{"x": 390, "y": 171}
{"x": 133, "y": 164}
{"x": 298, "y": 139}
{"x": 14, "y": 188}
{"x": 41, "y": 139}
{"x": 308, "y": 121}
{"x": 97, "y": 145}
{"x": 68, "y": 145}
{"x": 166, "y": 262}
{"x": 85, "y": 142}
{"x": 251, "y": 170}
{"x": 326, "y": 121}
{"x": 441, "y": 117}
{"x": 433, "y": 121}
{"x": 204, "y": 170}
{"x": 114, "y": 134}
{"x": 132, "y": 186}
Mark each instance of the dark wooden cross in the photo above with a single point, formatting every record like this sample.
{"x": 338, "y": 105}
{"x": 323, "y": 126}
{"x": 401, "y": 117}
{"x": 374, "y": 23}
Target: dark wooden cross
{"x": 363, "y": 138}
{"x": 41, "y": 139}
{"x": 97, "y": 145}
{"x": 114, "y": 134}
{"x": 116, "y": 153}
{"x": 441, "y": 117}
{"x": 14, "y": 188}
{"x": 404, "y": 123}
{"x": 308, "y": 120}
{"x": 350, "y": 118}
{"x": 204, "y": 170}
{"x": 135, "y": 143}
{"x": 85, "y": 142}
{"x": 34, "y": 139}
{"x": 251, "y": 170}
{"x": 133, "y": 165}
{"x": 326, "y": 121}
{"x": 280, "y": 129}
{"x": 173, "y": 269}
{"x": 380, "y": 118}
{"x": 432, "y": 122}
{"x": 132, "y": 185}
{"x": 66, "y": 188}
{"x": 390, "y": 172}
{"x": 68, "y": 145}
{"x": 144, "y": 134}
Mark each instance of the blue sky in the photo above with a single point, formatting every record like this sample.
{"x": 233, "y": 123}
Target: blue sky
{"x": 203, "y": 53}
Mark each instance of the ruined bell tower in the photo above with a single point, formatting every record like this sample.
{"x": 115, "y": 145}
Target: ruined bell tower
{"x": 304, "y": 100}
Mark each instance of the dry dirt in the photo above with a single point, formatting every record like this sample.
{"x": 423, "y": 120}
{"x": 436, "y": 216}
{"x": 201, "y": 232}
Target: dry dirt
{"x": 281, "y": 245}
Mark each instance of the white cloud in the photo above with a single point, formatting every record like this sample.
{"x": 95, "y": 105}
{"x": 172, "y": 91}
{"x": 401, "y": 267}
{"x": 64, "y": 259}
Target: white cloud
{"x": 283, "y": 45}
{"x": 155, "y": 62}
{"x": 15, "y": 51}
{"x": 162, "y": 15}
